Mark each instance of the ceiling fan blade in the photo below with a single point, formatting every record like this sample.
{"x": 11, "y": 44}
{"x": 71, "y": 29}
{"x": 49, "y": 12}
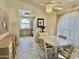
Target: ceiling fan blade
{"x": 58, "y": 8}
{"x": 56, "y": 4}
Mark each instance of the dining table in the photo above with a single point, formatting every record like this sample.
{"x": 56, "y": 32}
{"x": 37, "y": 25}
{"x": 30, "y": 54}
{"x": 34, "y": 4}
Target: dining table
{"x": 53, "y": 41}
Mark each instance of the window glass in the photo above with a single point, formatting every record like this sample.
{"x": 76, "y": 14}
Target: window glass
{"x": 25, "y": 24}
{"x": 69, "y": 26}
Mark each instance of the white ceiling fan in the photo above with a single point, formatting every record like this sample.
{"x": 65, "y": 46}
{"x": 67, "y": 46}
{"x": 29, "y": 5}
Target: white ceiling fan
{"x": 52, "y": 4}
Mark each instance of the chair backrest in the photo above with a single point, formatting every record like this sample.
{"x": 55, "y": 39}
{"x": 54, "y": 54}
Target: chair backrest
{"x": 75, "y": 53}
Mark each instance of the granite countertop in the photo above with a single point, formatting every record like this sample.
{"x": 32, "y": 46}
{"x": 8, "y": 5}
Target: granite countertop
{"x": 52, "y": 40}
{"x": 5, "y": 42}
{"x": 63, "y": 42}
{"x": 55, "y": 41}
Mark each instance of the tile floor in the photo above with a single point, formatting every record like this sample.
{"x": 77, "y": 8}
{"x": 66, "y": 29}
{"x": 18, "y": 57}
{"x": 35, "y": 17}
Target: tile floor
{"x": 28, "y": 49}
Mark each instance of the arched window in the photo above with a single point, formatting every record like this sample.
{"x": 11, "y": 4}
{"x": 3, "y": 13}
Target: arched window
{"x": 25, "y": 24}
{"x": 68, "y": 26}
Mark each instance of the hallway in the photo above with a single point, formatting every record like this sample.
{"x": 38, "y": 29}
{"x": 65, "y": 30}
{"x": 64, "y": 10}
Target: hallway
{"x": 27, "y": 49}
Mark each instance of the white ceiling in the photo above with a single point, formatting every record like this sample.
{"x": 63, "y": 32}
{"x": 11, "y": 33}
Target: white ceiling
{"x": 63, "y": 3}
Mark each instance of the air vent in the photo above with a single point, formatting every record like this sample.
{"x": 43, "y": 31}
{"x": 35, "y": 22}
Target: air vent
{"x": 25, "y": 13}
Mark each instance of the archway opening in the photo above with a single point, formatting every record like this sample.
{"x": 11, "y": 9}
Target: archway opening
{"x": 26, "y": 27}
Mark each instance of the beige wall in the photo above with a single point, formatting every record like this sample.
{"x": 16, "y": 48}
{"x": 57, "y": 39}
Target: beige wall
{"x": 51, "y": 22}
{"x": 3, "y": 5}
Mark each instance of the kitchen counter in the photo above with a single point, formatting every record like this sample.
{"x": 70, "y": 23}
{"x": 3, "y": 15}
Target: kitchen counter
{"x": 7, "y": 47}
{"x": 5, "y": 42}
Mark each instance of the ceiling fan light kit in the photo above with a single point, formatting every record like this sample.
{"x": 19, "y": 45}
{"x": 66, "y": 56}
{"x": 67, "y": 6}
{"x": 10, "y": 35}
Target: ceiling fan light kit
{"x": 49, "y": 8}
{"x": 51, "y": 5}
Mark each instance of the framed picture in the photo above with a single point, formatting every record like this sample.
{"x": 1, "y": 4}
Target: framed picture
{"x": 3, "y": 21}
{"x": 40, "y": 22}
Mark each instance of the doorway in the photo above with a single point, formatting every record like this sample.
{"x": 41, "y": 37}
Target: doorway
{"x": 26, "y": 27}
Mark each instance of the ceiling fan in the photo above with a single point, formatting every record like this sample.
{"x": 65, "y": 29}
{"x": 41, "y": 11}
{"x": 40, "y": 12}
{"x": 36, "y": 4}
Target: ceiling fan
{"x": 52, "y": 4}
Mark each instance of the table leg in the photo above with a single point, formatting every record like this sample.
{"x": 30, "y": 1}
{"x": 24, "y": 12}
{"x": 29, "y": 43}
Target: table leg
{"x": 45, "y": 50}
